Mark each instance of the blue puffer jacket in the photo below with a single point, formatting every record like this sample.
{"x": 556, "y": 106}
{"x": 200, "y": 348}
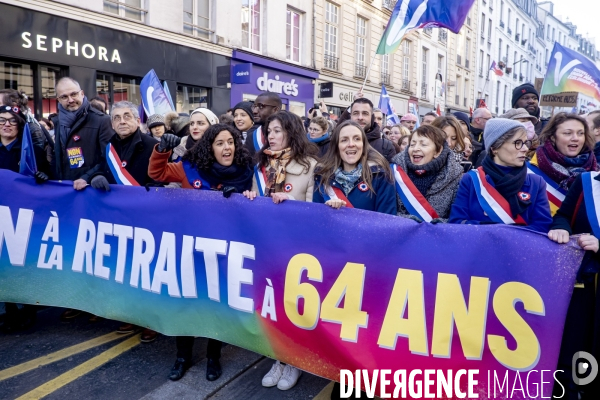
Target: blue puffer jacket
{"x": 467, "y": 210}
{"x": 383, "y": 200}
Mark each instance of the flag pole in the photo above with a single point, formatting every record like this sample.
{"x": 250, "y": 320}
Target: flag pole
{"x": 368, "y": 71}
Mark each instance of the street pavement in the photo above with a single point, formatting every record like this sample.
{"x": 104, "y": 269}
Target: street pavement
{"x": 89, "y": 360}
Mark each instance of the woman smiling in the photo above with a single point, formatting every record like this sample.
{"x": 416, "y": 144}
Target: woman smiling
{"x": 352, "y": 174}
{"x": 501, "y": 191}
{"x": 427, "y": 176}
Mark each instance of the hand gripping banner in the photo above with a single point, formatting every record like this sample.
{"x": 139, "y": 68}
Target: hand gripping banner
{"x": 318, "y": 288}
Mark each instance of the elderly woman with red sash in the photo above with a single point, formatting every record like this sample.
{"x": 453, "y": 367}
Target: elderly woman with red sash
{"x": 565, "y": 152}
{"x": 579, "y": 214}
{"x": 218, "y": 161}
{"x": 427, "y": 176}
{"x": 352, "y": 174}
{"x": 285, "y": 169}
{"x": 501, "y": 191}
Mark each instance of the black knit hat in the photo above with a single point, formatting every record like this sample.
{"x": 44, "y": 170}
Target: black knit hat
{"x": 246, "y": 106}
{"x": 521, "y": 91}
{"x": 15, "y": 112}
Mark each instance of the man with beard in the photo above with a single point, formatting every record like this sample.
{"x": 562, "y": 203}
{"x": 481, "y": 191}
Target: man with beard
{"x": 265, "y": 105}
{"x": 525, "y": 96}
{"x": 361, "y": 112}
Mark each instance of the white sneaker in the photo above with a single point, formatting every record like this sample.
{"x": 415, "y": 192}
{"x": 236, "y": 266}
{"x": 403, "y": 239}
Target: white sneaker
{"x": 272, "y": 377}
{"x": 289, "y": 378}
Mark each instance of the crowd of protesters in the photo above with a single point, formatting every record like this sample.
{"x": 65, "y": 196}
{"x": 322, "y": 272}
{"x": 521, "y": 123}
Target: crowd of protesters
{"x": 533, "y": 165}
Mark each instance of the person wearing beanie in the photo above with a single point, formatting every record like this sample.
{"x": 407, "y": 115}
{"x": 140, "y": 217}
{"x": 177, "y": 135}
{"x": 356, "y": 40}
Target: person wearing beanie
{"x": 409, "y": 121}
{"x": 156, "y": 125}
{"x": 243, "y": 118}
{"x": 503, "y": 175}
{"x": 463, "y": 120}
{"x": 199, "y": 121}
{"x": 527, "y": 97}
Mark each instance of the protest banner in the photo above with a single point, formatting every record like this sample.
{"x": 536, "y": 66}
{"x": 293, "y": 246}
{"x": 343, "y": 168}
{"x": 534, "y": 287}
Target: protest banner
{"x": 318, "y": 288}
{"x": 567, "y": 99}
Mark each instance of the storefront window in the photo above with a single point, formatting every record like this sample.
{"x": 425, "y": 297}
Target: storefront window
{"x": 17, "y": 76}
{"x": 297, "y": 108}
{"x": 49, "y": 76}
{"x": 115, "y": 88}
{"x": 191, "y": 97}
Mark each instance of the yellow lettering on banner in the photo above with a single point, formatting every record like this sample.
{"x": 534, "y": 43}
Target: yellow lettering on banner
{"x": 527, "y": 353}
{"x": 408, "y": 288}
{"x": 73, "y": 152}
{"x": 450, "y": 308}
{"x": 294, "y": 291}
{"x": 348, "y": 286}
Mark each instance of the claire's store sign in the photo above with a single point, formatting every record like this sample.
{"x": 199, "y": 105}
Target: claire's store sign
{"x": 70, "y": 48}
{"x": 266, "y": 84}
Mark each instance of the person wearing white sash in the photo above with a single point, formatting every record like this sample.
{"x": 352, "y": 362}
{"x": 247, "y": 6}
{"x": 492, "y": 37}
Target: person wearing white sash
{"x": 341, "y": 180}
{"x": 431, "y": 167}
{"x": 501, "y": 190}
{"x": 284, "y": 172}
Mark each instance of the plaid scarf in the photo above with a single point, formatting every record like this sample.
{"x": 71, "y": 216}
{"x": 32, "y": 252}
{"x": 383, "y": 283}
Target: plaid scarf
{"x": 347, "y": 180}
{"x": 278, "y": 160}
{"x": 562, "y": 169}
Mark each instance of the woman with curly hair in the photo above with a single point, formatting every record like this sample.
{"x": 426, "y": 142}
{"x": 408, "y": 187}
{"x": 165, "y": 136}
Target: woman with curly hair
{"x": 216, "y": 161}
{"x": 355, "y": 171}
{"x": 286, "y": 163}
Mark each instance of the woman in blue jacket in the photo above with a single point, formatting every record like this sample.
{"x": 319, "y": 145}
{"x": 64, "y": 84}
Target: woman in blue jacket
{"x": 501, "y": 190}
{"x": 352, "y": 174}
{"x": 582, "y": 326}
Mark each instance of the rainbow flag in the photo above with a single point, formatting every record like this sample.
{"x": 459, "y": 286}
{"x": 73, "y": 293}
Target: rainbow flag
{"x": 570, "y": 71}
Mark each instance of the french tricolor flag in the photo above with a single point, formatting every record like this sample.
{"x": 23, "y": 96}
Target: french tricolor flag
{"x": 117, "y": 167}
{"x": 495, "y": 68}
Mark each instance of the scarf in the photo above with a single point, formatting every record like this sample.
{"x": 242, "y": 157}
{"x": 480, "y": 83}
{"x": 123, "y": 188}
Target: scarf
{"x": 190, "y": 142}
{"x": 508, "y": 181}
{"x": 220, "y": 176}
{"x": 275, "y": 170}
{"x": 562, "y": 169}
{"x": 423, "y": 176}
{"x": 67, "y": 119}
{"x": 347, "y": 180}
{"x": 320, "y": 139}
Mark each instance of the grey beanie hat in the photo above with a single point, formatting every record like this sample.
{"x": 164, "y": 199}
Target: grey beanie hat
{"x": 155, "y": 120}
{"x": 496, "y": 127}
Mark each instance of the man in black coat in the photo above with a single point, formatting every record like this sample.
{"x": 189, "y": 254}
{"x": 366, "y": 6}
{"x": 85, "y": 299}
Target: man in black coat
{"x": 132, "y": 146}
{"x": 361, "y": 112}
{"x": 265, "y": 105}
{"x": 81, "y": 135}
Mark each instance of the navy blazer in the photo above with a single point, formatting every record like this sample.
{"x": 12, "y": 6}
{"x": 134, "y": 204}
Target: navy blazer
{"x": 383, "y": 200}
{"x": 467, "y": 210}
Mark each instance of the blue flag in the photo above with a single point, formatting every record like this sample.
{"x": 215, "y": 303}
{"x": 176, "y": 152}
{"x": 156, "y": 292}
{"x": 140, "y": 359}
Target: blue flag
{"x": 386, "y": 106}
{"x": 27, "y": 166}
{"x": 168, "y": 93}
{"x": 154, "y": 98}
{"x": 412, "y": 14}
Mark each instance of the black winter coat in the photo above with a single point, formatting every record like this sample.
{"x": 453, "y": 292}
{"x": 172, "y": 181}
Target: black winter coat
{"x": 82, "y": 156}
{"x": 135, "y": 152}
{"x": 10, "y": 159}
{"x": 384, "y": 146}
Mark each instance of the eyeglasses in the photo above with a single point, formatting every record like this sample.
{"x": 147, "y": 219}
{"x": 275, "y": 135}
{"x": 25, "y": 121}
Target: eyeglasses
{"x": 72, "y": 95}
{"x": 11, "y": 121}
{"x": 126, "y": 117}
{"x": 260, "y": 106}
{"x": 314, "y": 130}
{"x": 519, "y": 144}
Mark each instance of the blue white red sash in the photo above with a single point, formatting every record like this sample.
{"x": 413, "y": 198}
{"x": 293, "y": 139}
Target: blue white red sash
{"x": 117, "y": 167}
{"x": 591, "y": 193}
{"x": 556, "y": 194}
{"x": 414, "y": 201}
{"x": 194, "y": 177}
{"x": 335, "y": 193}
{"x": 259, "y": 140}
{"x": 494, "y": 205}
{"x": 261, "y": 179}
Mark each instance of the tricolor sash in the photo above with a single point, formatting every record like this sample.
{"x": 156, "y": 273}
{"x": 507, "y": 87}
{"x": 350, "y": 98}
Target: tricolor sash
{"x": 416, "y": 204}
{"x": 335, "y": 193}
{"x": 591, "y": 194}
{"x": 259, "y": 140}
{"x": 194, "y": 177}
{"x": 117, "y": 167}
{"x": 495, "y": 206}
{"x": 556, "y": 194}
{"x": 261, "y": 179}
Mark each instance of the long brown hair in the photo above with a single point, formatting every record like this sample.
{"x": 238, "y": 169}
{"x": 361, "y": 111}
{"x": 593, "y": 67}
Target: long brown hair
{"x": 549, "y": 130}
{"x": 451, "y": 121}
{"x": 331, "y": 161}
{"x": 301, "y": 149}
